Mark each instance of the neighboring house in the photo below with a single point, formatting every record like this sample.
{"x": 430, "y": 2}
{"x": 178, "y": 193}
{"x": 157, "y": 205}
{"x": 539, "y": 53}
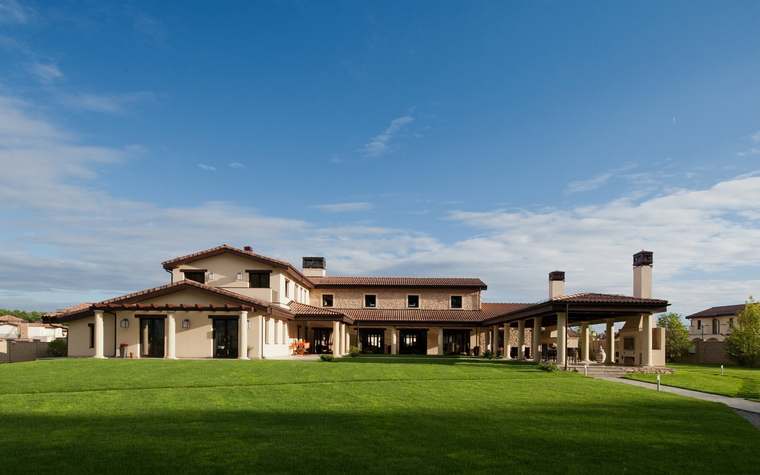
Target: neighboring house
{"x": 227, "y": 302}
{"x": 14, "y": 328}
{"x": 714, "y": 323}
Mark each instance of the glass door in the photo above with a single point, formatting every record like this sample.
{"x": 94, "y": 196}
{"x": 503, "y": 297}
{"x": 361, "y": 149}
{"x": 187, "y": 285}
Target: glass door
{"x": 456, "y": 342}
{"x": 225, "y": 338}
{"x": 152, "y": 337}
{"x": 322, "y": 340}
{"x": 372, "y": 340}
{"x": 412, "y": 342}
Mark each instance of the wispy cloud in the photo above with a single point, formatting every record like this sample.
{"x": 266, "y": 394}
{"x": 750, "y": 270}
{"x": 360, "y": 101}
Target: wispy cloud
{"x": 110, "y": 103}
{"x": 588, "y": 185}
{"x": 45, "y": 73}
{"x": 12, "y": 12}
{"x": 206, "y": 167}
{"x": 751, "y": 151}
{"x": 381, "y": 143}
{"x": 236, "y": 165}
{"x": 755, "y": 137}
{"x": 344, "y": 207}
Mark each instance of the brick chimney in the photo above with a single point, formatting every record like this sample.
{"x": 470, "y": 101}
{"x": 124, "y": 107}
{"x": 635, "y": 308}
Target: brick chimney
{"x": 314, "y": 267}
{"x": 642, "y": 274}
{"x": 556, "y": 284}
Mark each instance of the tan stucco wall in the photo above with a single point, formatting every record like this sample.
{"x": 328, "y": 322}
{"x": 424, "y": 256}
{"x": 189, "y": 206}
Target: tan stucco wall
{"x": 79, "y": 338}
{"x": 397, "y": 298}
{"x": 695, "y": 333}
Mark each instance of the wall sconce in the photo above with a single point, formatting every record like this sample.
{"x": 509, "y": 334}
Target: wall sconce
{"x": 249, "y": 324}
{"x": 210, "y": 276}
{"x": 124, "y": 323}
{"x": 186, "y": 323}
{"x": 239, "y": 276}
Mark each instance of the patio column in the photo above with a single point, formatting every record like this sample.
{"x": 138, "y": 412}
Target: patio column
{"x": 440, "y": 340}
{"x": 257, "y": 324}
{"x": 346, "y": 339}
{"x": 171, "y": 336}
{"x": 507, "y": 341}
{"x": 495, "y": 343}
{"x": 336, "y": 339}
{"x": 610, "y": 359}
{"x": 520, "y": 339}
{"x": 646, "y": 355}
{"x": 561, "y": 335}
{"x": 243, "y": 335}
{"x": 394, "y": 341}
{"x": 536, "y": 351}
{"x": 585, "y": 342}
{"x": 98, "y": 334}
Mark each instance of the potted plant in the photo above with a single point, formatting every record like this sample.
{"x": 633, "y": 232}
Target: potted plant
{"x": 123, "y": 350}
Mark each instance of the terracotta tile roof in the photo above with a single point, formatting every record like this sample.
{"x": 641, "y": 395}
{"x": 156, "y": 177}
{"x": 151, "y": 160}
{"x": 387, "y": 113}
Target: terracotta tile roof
{"x": 11, "y": 319}
{"x": 224, "y": 248}
{"x": 410, "y": 315}
{"x": 302, "y": 309}
{"x": 397, "y": 282}
{"x": 69, "y": 311}
{"x": 725, "y": 310}
{"x": 591, "y": 297}
{"x": 496, "y": 309}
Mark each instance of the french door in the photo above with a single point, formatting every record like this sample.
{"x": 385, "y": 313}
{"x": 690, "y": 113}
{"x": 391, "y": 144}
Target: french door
{"x": 225, "y": 338}
{"x": 152, "y": 337}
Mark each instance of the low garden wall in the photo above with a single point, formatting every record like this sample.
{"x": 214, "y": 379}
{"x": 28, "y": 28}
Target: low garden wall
{"x": 710, "y": 352}
{"x": 16, "y": 351}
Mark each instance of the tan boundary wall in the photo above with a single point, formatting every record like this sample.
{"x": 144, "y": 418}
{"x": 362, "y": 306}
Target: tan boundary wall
{"x": 15, "y": 351}
{"x": 710, "y": 352}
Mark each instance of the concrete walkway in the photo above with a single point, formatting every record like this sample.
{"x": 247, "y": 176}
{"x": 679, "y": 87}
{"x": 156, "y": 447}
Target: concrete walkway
{"x": 747, "y": 409}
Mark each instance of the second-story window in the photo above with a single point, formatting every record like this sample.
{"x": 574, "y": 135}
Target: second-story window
{"x": 413, "y": 301}
{"x": 197, "y": 276}
{"x": 370, "y": 301}
{"x": 327, "y": 300}
{"x": 258, "y": 280}
{"x": 456, "y": 301}
{"x": 287, "y": 289}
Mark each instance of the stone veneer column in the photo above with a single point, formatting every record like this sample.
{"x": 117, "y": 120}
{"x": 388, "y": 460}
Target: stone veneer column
{"x": 536, "y": 340}
{"x": 495, "y": 342}
{"x": 610, "y": 359}
{"x": 98, "y": 334}
{"x": 507, "y": 341}
{"x": 520, "y": 339}
{"x": 346, "y": 339}
{"x": 243, "y": 335}
{"x": 646, "y": 353}
{"x": 440, "y": 340}
{"x": 336, "y": 339}
{"x": 561, "y": 336}
{"x": 171, "y": 336}
{"x": 394, "y": 341}
{"x": 585, "y": 336}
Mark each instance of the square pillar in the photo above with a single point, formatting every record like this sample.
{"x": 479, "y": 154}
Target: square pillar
{"x": 585, "y": 342}
{"x": 646, "y": 350}
{"x": 171, "y": 336}
{"x": 346, "y": 340}
{"x": 243, "y": 335}
{"x": 98, "y": 334}
{"x": 507, "y": 341}
{"x": 495, "y": 342}
{"x": 561, "y": 336}
{"x": 536, "y": 341}
{"x": 520, "y": 339}
{"x": 440, "y": 341}
{"x": 610, "y": 359}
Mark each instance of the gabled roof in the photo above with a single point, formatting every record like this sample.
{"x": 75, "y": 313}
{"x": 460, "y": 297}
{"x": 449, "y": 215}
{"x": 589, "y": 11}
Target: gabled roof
{"x": 132, "y": 301}
{"x": 225, "y": 249}
{"x": 447, "y": 282}
{"x": 722, "y": 311}
{"x": 12, "y": 319}
{"x": 591, "y": 297}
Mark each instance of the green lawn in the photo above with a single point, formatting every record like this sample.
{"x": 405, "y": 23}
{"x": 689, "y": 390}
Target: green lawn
{"x": 384, "y": 415}
{"x": 736, "y": 381}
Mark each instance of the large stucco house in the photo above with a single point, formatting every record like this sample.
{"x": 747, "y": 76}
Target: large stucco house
{"x": 227, "y": 302}
{"x": 714, "y": 323}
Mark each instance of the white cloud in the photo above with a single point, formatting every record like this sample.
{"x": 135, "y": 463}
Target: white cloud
{"x": 206, "y": 167}
{"x": 12, "y": 12}
{"x": 755, "y": 137}
{"x": 344, "y": 207}
{"x": 588, "y": 185}
{"x": 236, "y": 165}
{"x": 111, "y": 103}
{"x": 45, "y": 73}
{"x": 381, "y": 143}
{"x": 751, "y": 151}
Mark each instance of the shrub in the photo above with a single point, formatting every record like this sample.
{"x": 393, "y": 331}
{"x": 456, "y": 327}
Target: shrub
{"x": 326, "y": 357}
{"x": 547, "y": 366}
{"x": 489, "y": 354}
{"x": 57, "y": 348}
{"x": 353, "y": 351}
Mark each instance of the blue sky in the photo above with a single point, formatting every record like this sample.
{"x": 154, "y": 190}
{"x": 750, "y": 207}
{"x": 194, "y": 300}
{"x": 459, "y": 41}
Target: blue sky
{"x": 500, "y": 140}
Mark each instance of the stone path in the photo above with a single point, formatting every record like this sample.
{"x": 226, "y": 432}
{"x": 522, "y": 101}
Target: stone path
{"x": 747, "y": 409}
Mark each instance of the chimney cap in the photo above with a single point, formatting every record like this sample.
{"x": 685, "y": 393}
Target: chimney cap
{"x": 643, "y": 258}
{"x": 314, "y": 263}
{"x": 557, "y": 275}
{"x": 248, "y": 248}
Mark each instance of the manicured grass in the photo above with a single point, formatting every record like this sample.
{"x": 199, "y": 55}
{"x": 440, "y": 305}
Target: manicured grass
{"x": 736, "y": 381}
{"x": 365, "y": 415}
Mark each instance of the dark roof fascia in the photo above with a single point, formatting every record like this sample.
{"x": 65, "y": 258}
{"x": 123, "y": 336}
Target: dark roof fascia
{"x": 344, "y": 285}
{"x": 590, "y": 310}
{"x": 324, "y": 318}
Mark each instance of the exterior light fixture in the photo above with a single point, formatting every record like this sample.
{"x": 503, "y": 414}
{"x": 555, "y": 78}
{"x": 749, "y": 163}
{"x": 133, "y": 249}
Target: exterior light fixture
{"x": 249, "y": 324}
{"x": 239, "y": 276}
{"x": 185, "y": 323}
{"x": 124, "y": 323}
{"x": 210, "y": 276}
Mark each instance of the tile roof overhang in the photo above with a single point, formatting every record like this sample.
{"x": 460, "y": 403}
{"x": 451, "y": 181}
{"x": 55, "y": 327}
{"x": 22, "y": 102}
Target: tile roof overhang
{"x": 584, "y": 307}
{"x": 237, "y": 302}
{"x": 226, "y": 249}
{"x": 439, "y": 282}
{"x": 723, "y": 311}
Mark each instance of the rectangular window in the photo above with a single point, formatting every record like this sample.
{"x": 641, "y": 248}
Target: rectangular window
{"x": 258, "y": 280}
{"x": 91, "y": 328}
{"x": 287, "y": 289}
{"x": 266, "y": 331}
{"x": 629, "y": 343}
{"x": 327, "y": 300}
{"x": 370, "y": 301}
{"x": 730, "y": 322}
{"x": 197, "y": 276}
{"x": 699, "y": 324}
{"x": 413, "y": 301}
{"x": 456, "y": 301}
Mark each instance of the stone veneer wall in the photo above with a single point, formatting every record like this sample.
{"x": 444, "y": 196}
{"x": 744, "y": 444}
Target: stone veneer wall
{"x": 396, "y": 298}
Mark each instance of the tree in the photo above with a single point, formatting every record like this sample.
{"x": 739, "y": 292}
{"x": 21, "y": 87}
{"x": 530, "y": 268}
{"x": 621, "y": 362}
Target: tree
{"x": 28, "y": 316}
{"x": 676, "y": 336}
{"x": 743, "y": 344}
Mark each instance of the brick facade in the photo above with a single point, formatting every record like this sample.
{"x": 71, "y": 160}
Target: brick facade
{"x": 15, "y": 351}
{"x": 711, "y": 352}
